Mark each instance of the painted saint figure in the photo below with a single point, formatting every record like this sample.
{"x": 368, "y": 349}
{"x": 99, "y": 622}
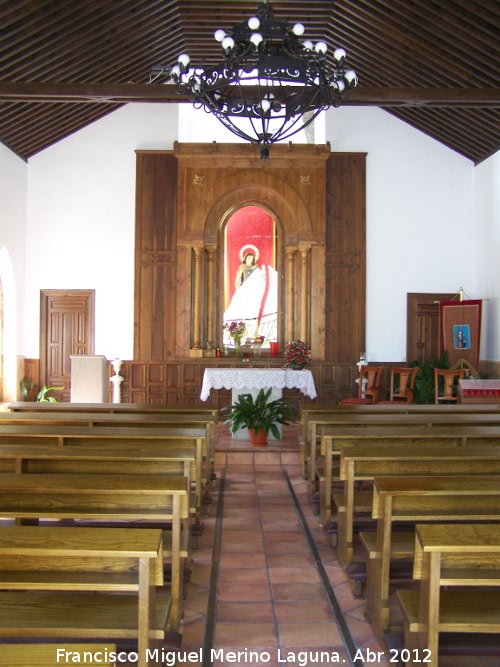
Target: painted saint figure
{"x": 255, "y": 298}
{"x": 247, "y": 266}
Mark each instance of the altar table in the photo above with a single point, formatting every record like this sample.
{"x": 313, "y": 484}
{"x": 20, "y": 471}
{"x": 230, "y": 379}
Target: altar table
{"x": 251, "y": 380}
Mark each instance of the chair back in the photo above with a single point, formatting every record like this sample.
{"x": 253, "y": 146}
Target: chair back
{"x": 369, "y": 382}
{"x": 445, "y": 384}
{"x": 403, "y": 383}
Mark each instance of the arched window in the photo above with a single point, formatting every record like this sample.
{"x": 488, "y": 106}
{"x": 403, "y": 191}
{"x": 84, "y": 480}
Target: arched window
{"x": 251, "y": 273}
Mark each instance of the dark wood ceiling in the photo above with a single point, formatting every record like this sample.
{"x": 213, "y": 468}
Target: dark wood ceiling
{"x": 65, "y": 63}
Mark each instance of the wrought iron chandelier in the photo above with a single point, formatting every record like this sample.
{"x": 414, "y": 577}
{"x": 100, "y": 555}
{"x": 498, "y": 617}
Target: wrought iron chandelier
{"x": 269, "y": 85}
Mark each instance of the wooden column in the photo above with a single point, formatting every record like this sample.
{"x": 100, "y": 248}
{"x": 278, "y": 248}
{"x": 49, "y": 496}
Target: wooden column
{"x": 210, "y": 293}
{"x": 197, "y": 299}
{"x": 304, "y": 292}
{"x": 290, "y": 295}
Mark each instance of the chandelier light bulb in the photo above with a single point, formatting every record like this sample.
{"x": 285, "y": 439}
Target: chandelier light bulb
{"x": 265, "y": 105}
{"x": 338, "y": 54}
{"x": 340, "y": 86}
{"x": 184, "y": 60}
{"x": 253, "y": 23}
{"x": 298, "y": 29}
{"x": 321, "y": 47}
{"x": 256, "y": 38}
{"x": 176, "y": 71}
{"x": 308, "y": 45}
{"x": 219, "y": 34}
{"x": 351, "y": 77}
{"x": 227, "y": 43}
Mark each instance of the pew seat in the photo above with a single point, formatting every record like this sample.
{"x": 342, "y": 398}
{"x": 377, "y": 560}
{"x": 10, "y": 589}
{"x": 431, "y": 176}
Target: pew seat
{"x": 46, "y": 655}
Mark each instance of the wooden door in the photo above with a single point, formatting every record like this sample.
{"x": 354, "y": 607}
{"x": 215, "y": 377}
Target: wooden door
{"x": 66, "y": 327}
{"x": 422, "y": 334}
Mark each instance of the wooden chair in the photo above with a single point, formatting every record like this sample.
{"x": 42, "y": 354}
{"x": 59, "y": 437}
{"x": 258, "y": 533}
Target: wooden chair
{"x": 368, "y": 388}
{"x": 445, "y": 384}
{"x": 402, "y": 385}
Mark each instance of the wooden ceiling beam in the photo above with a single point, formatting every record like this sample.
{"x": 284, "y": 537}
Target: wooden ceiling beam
{"x": 126, "y": 93}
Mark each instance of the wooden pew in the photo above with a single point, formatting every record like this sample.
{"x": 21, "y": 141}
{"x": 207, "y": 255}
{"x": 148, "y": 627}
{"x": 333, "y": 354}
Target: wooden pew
{"x": 326, "y": 414}
{"x": 451, "y": 556}
{"x": 170, "y": 419}
{"x": 106, "y": 436}
{"x": 109, "y": 498}
{"x": 117, "y": 408}
{"x": 62, "y": 582}
{"x": 366, "y": 463}
{"x": 419, "y": 499}
{"x": 46, "y": 655}
{"x": 411, "y": 436}
{"x": 332, "y": 425}
{"x": 178, "y": 459}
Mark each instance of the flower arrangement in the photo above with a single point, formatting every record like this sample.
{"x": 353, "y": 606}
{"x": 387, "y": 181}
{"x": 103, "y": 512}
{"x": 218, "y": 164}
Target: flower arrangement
{"x": 236, "y": 330}
{"x": 297, "y": 353}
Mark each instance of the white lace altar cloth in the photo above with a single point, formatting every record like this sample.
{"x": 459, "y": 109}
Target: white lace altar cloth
{"x": 253, "y": 378}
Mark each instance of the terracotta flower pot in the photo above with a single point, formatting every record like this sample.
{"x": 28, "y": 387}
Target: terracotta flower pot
{"x": 258, "y": 439}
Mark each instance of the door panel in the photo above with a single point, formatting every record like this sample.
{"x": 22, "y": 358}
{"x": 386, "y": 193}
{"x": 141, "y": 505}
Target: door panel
{"x": 422, "y": 335}
{"x": 66, "y": 328}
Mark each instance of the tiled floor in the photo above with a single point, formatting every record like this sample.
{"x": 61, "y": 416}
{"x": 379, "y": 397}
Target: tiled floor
{"x": 257, "y": 586}
{"x": 270, "y": 595}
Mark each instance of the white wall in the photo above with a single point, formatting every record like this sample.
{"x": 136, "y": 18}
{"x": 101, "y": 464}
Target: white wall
{"x": 421, "y": 217}
{"x": 487, "y": 259}
{"x": 81, "y": 219}
{"x": 13, "y": 195}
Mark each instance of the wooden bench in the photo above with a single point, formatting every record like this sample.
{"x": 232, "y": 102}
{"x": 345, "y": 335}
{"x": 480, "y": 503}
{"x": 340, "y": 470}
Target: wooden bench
{"x": 110, "y": 408}
{"x": 411, "y": 436}
{"x": 320, "y": 428}
{"x": 178, "y": 459}
{"x": 62, "y": 582}
{"x": 201, "y": 419}
{"x": 120, "y": 499}
{"x": 366, "y": 463}
{"x": 46, "y": 655}
{"x": 419, "y": 499}
{"x": 451, "y": 556}
{"x": 327, "y": 414}
{"x": 78, "y": 436}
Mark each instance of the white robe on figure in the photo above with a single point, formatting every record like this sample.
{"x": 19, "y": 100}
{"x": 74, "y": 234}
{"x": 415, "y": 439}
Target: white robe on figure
{"x": 256, "y": 300}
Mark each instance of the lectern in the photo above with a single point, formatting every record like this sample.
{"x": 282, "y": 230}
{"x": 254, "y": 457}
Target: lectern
{"x": 89, "y": 378}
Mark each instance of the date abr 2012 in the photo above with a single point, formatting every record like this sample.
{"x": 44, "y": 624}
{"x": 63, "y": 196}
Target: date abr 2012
{"x": 395, "y": 655}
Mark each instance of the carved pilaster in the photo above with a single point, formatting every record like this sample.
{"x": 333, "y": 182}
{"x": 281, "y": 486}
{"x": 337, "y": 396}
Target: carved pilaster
{"x": 290, "y": 295}
{"x": 211, "y": 250}
{"x": 197, "y": 348}
{"x": 304, "y": 292}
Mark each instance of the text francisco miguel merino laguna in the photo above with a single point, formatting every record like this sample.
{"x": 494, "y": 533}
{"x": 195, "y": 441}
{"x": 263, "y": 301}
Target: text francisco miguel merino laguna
{"x": 170, "y": 658}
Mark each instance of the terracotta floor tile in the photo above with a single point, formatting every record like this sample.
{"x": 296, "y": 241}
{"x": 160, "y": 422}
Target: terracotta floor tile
{"x": 245, "y": 612}
{"x": 232, "y": 592}
{"x": 243, "y": 559}
{"x": 283, "y": 526}
{"x": 287, "y": 547}
{"x": 294, "y": 591}
{"x": 291, "y": 560}
{"x": 303, "y": 575}
{"x": 245, "y": 634}
{"x": 304, "y": 633}
{"x": 312, "y": 610}
{"x": 243, "y": 575}
{"x": 245, "y": 547}
{"x": 253, "y": 535}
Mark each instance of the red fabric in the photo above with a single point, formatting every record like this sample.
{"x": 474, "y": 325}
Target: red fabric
{"x": 248, "y": 225}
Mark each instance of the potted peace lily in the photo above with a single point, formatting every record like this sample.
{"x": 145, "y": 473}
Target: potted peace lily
{"x": 260, "y": 415}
